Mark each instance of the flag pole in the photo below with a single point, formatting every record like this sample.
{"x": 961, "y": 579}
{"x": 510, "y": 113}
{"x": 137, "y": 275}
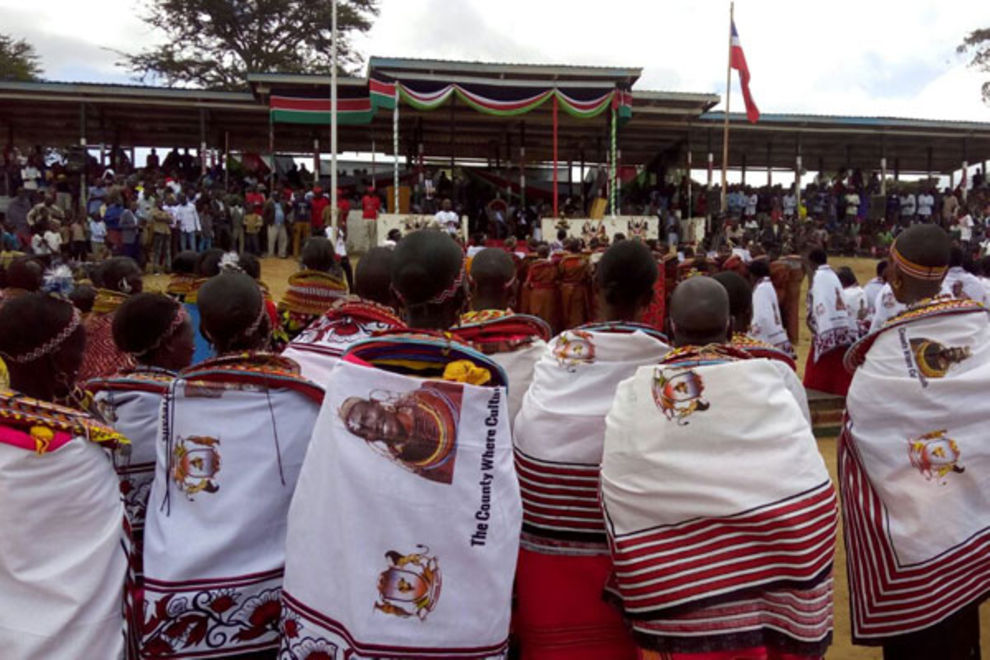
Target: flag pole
{"x": 333, "y": 116}
{"x": 395, "y": 151}
{"x": 728, "y": 91}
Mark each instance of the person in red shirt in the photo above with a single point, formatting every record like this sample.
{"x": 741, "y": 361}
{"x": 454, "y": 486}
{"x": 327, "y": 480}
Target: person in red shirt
{"x": 254, "y": 199}
{"x": 317, "y": 205}
{"x": 370, "y": 205}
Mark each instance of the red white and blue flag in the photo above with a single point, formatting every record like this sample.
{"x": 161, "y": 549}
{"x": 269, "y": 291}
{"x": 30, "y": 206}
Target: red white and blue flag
{"x": 737, "y": 60}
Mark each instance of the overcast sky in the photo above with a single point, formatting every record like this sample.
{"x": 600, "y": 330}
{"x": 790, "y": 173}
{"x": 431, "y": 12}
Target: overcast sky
{"x": 854, "y": 57}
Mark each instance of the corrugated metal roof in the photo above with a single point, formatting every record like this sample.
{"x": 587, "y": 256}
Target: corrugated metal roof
{"x": 303, "y": 79}
{"x": 503, "y": 68}
{"x": 660, "y": 95}
{"x": 63, "y": 87}
{"x": 852, "y": 121}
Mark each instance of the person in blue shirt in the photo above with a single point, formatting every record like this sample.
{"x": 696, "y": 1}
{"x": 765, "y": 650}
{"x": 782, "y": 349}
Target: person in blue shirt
{"x": 97, "y": 194}
{"x": 301, "y": 215}
{"x": 115, "y": 209}
{"x": 274, "y": 216}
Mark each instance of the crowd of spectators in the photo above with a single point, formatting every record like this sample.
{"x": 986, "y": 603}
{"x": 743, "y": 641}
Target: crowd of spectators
{"x": 179, "y": 203}
{"x": 153, "y": 213}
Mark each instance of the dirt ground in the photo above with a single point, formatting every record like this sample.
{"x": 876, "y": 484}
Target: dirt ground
{"x": 275, "y": 272}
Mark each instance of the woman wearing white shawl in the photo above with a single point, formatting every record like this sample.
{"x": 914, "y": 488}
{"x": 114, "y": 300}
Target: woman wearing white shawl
{"x": 885, "y": 307}
{"x": 719, "y": 509}
{"x": 234, "y": 431}
{"x": 741, "y": 312}
{"x": 767, "y": 325}
{"x": 913, "y": 460}
{"x": 559, "y": 432}
{"x": 62, "y": 554}
{"x": 318, "y": 348}
{"x": 404, "y": 530}
{"x": 832, "y": 329}
{"x": 854, "y": 298}
{"x": 403, "y": 534}
{"x": 155, "y": 331}
{"x": 514, "y": 341}
{"x": 872, "y": 288}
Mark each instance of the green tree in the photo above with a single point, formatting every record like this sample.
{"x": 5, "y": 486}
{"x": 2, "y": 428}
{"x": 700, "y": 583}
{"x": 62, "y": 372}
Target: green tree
{"x": 977, "y": 42}
{"x": 18, "y": 60}
{"x": 216, "y": 43}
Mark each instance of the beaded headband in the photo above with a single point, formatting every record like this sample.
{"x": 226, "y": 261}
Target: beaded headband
{"x": 262, "y": 313}
{"x": 52, "y": 344}
{"x": 181, "y": 315}
{"x": 444, "y": 295}
{"x": 916, "y": 271}
{"x": 508, "y": 285}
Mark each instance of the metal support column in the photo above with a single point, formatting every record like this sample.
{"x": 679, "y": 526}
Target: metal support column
{"x": 769, "y": 166}
{"x": 570, "y": 179}
{"x": 584, "y": 200}
{"x": 797, "y": 174}
{"x": 883, "y": 167}
{"x": 202, "y": 142}
{"x": 226, "y": 159}
{"x": 690, "y": 187}
{"x": 522, "y": 166}
{"x": 83, "y": 191}
{"x": 453, "y": 131}
{"x": 508, "y": 166}
{"x": 316, "y": 161}
{"x": 271, "y": 151}
{"x": 965, "y": 169}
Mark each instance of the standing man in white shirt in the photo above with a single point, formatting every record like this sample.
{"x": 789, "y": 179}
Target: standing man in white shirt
{"x": 966, "y": 224}
{"x": 852, "y": 201}
{"x": 447, "y": 218}
{"x": 926, "y": 203}
{"x": 789, "y": 204}
{"x": 909, "y": 206}
{"x": 751, "y": 201}
{"x": 188, "y": 221}
{"x": 30, "y": 175}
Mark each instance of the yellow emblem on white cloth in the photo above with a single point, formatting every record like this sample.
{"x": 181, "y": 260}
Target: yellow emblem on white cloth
{"x": 679, "y": 395}
{"x": 195, "y": 463}
{"x": 410, "y": 586}
{"x": 935, "y": 455}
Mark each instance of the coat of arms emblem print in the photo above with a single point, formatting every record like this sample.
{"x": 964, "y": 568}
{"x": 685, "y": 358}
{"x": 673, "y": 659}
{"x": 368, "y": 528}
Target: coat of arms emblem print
{"x": 935, "y": 455}
{"x": 574, "y": 347}
{"x": 410, "y": 585}
{"x": 678, "y": 395}
{"x": 195, "y": 464}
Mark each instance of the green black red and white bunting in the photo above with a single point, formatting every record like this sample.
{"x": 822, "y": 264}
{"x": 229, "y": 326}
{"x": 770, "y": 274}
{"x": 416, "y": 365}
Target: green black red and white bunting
{"x": 307, "y": 107}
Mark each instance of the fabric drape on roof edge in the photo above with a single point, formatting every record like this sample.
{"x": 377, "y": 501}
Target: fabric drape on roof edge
{"x": 382, "y": 94}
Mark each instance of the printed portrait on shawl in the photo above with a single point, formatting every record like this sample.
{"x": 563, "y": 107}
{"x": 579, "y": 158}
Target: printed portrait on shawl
{"x": 417, "y": 429}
